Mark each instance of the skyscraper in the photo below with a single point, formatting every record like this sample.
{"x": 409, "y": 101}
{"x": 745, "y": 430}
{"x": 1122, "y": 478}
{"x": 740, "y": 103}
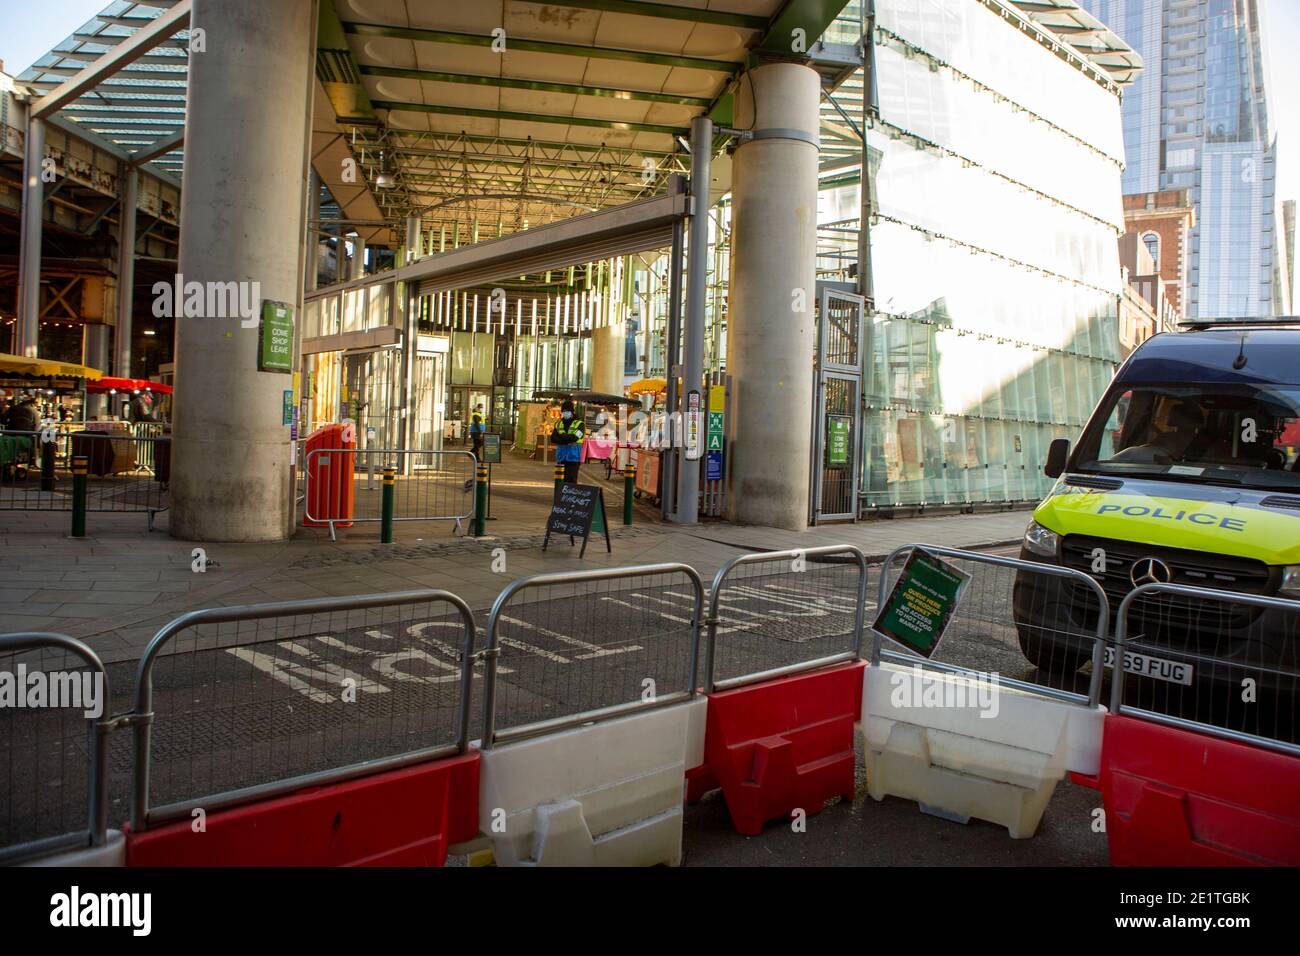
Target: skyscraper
{"x": 1198, "y": 119}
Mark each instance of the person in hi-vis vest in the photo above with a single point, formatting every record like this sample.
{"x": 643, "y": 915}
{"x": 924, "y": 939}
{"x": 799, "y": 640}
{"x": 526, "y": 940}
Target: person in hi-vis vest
{"x": 567, "y": 439}
{"x": 476, "y": 432}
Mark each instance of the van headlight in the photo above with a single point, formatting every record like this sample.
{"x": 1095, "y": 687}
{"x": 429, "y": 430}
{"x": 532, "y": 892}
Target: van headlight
{"x": 1041, "y": 541}
{"x": 1290, "y": 586}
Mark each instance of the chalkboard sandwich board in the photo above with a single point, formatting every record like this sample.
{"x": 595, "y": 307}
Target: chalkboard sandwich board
{"x": 572, "y": 513}
{"x": 921, "y": 605}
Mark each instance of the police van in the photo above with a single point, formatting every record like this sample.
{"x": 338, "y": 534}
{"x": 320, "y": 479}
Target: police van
{"x": 1187, "y": 472}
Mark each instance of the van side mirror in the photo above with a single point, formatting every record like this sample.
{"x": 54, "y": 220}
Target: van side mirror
{"x": 1057, "y": 453}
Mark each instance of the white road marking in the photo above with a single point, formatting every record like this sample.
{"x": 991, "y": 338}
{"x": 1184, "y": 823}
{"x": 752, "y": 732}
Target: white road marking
{"x": 305, "y": 678}
{"x": 417, "y": 631}
{"x": 595, "y": 649}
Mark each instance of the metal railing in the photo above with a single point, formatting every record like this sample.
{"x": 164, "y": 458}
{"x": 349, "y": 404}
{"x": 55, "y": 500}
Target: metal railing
{"x": 123, "y": 474}
{"x": 790, "y": 611}
{"x": 293, "y": 716}
{"x": 1231, "y": 672}
{"x": 1016, "y": 616}
{"x": 45, "y": 805}
{"x": 637, "y": 622}
{"x": 430, "y": 485}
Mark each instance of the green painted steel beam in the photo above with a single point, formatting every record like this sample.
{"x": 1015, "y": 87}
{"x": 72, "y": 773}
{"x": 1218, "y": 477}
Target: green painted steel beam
{"x": 336, "y": 68}
{"x": 665, "y": 11}
{"x": 501, "y": 159}
{"x": 528, "y": 117}
{"x": 810, "y": 16}
{"x": 513, "y": 141}
{"x": 541, "y": 46}
{"x": 511, "y": 83}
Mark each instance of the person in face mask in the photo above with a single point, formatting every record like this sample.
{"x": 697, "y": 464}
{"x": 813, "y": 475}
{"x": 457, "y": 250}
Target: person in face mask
{"x": 567, "y": 438}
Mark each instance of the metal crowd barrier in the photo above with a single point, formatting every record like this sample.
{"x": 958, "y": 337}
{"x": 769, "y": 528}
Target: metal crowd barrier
{"x": 790, "y": 611}
{"x": 1228, "y": 663}
{"x": 300, "y": 471}
{"x": 36, "y": 471}
{"x": 430, "y": 485}
{"x": 27, "y": 759}
{"x": 304, "y": 729}
{"x": 644, "y": 647}
{"x": 1043, "y": 621}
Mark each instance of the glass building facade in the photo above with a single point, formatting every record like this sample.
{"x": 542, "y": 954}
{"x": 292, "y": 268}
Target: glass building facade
{"x": 1197, "y": 118}
{"x": 995, "y": 166}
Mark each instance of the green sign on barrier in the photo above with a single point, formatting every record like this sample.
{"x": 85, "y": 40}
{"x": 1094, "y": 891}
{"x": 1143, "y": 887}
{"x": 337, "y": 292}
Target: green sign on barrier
{"x": 921, "y": 604}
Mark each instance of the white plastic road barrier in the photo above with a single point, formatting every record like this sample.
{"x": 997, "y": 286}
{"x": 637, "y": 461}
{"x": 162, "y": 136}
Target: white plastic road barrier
{"x": 605, "y": 794}
{"x": 926, "y": 740}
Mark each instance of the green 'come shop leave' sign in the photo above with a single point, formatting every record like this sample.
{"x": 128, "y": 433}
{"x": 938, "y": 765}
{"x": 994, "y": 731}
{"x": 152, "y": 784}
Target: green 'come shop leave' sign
{"x": 275, "y": 346}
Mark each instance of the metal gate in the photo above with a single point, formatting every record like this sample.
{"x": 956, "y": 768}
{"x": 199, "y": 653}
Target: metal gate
{"x": 837, "y": 406}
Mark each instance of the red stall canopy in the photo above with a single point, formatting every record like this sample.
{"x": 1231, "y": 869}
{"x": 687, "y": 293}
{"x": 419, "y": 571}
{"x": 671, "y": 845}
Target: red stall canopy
{"x": 128, "y": 385}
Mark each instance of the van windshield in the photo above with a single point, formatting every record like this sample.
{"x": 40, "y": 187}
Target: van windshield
{"x": 1218, "y": 433}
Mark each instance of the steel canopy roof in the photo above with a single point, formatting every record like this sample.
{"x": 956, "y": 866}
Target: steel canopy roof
{"x": 141, "y": 107}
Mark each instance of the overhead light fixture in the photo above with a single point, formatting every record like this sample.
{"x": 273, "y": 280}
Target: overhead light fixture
{"x": 150, "y": 332}
{"x": 386, "y": 177}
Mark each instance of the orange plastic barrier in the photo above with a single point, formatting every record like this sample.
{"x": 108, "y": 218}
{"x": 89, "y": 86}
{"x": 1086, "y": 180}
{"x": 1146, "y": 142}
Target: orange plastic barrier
{"x": 781, "y": 745}
{"x": 1174, "y": 797}
{"x": 329, "y": 476}
{"x": 406, "y": 817}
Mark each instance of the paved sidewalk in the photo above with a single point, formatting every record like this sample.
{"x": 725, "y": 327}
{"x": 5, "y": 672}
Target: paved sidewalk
{"x": 117, "y": 588}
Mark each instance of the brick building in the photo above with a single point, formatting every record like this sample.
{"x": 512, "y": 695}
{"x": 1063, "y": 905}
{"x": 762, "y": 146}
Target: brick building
{"x": 1163, "y": 222}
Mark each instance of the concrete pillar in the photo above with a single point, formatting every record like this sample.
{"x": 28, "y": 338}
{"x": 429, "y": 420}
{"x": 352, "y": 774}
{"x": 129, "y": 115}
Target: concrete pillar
{"x": 29, "y": 274}
{"x": 358, "y": 257}
{"x": 773, "y": 287}
{"x": 607, "y": 344}
{"x": 412, "y": 238}
{"x": 242, "y": 217}
{"x": 126, "y": 270}
{"x": 95, "y": 354}
{"x": 688, "y": 478}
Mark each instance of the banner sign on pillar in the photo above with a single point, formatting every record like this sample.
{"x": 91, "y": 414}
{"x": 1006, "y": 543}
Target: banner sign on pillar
{"x": 275, "y": 342}
{"x": 713, "y": 434}
{"x": 713, "y": 466}
{"x": 717, "y": 399}
{"x": 287, "y": 415}
{"x": 693, "y": 424}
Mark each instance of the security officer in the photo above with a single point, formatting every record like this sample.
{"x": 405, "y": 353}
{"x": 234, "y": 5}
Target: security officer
{"x": 477, "y": 431}
{"x": 567, "y": 438}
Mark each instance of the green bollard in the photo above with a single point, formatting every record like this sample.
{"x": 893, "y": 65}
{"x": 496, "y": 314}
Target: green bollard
{"x": 480, "y": 502}
{"x": 629, "y": 488}
{"x": 80, "y": 465}
{"x": 386, "y": 522}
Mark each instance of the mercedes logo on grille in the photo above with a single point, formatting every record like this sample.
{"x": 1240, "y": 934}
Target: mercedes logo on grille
{"x": 1150, "y": 571}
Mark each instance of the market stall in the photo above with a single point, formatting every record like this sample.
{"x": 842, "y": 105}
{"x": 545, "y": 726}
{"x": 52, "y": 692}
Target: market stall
{"x": 643, "y": 453}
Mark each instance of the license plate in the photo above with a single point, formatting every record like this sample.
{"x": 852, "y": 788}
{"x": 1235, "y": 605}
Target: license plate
{"x": 1175, "y": 672}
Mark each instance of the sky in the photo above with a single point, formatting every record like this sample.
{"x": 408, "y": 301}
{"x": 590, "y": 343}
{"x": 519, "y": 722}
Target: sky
{"x": 31, "y": 28}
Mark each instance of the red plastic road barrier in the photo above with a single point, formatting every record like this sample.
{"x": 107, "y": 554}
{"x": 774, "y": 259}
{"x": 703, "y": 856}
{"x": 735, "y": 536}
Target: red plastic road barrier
{"x": 1175, "y": 797}
{"x": 406, "y": 817}
{"x": 781, "y": 745}
{"x": 330, "y": 492}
